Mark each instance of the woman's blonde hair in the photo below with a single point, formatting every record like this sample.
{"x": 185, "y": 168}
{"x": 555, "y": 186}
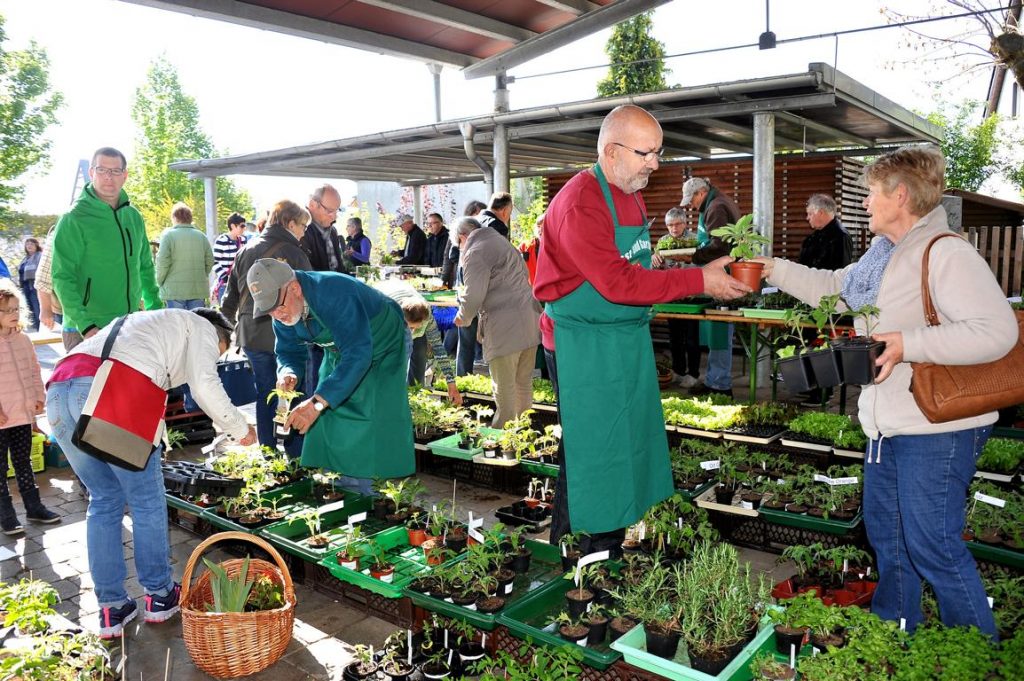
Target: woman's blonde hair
{"x": 921, "y": 169}
{"x": 9, "y": 291}
{"x": 286, "y": 211}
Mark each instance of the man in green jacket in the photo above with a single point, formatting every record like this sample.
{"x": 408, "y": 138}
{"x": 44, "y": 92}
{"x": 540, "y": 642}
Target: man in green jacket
{"x": 102, "y": 264}
{"x": 183, "y": 262}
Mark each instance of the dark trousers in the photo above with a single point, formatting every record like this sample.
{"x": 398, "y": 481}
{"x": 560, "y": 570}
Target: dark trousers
{"x": 467, "y": 349}
{"x": 560, "y": 525}
{"x": 316, "y": 358}
{"x": 418, "y": 361}
{"x": 684, "y": 341}
{"x": 264, "y": 371}
{"x": 18, "y": 439}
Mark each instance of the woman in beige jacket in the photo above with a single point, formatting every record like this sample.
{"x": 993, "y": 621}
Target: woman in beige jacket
{"x": 916, "y": 472}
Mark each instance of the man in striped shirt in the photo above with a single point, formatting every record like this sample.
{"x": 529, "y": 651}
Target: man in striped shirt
{"x": 225, "y": 248}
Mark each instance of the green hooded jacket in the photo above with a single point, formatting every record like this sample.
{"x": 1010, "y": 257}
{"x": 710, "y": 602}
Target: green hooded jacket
{"x": 102, "y": 264}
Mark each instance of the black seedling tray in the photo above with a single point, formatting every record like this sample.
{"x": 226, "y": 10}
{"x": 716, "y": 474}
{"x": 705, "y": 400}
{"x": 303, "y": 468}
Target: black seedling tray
{"x": 187, "y": 478}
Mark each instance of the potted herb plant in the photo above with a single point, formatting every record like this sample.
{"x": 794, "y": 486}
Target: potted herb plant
{"x": 312, "y": 518}
{"x": 394, "y": 666}
{"x": 380, "y": 568}
{"x": 746, "y": 244}
{"x": 348, "y": 555}
{"x": 828, "y": 370}
{"x": 793, "y": 363}
{"x": 651, "y": 600}
{"x": 284, "y": 400}
{"x": 437, "y": 665}
{"x": 571, "y": 628}
{"x": 858, "y": 354}
{"x": 363, "y": 667}
{"x": 765, "y": 667}
{"x": 580, "y": 597}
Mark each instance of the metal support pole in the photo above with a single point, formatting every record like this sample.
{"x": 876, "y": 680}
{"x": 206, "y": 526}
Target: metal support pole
{"x": 417, "y": 203}
{"x": 764, "y": 198}
{"x": 435, "y": 70}
{"x": 501, "y": 159}
{"x": 210, "y": 197}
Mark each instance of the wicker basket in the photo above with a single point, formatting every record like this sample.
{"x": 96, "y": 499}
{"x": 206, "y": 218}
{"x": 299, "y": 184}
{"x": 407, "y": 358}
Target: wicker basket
{"x": 232, "y": 644}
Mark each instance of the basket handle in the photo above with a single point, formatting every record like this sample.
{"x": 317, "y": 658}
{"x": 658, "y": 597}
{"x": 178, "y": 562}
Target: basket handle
{"x": 186, "y": 578}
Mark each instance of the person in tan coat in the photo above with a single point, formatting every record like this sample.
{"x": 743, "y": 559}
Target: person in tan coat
{"x": 21, "y": 400}
{"x": 498, "y": 290}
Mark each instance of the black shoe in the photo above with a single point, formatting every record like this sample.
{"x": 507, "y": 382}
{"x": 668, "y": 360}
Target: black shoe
{"x": 41, "y": 514}
{"x": 9, "y": 524}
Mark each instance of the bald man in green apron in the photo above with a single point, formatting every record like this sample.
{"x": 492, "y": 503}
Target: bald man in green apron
{"x": 358, "y": 421}
{"x": 594, "y": 274}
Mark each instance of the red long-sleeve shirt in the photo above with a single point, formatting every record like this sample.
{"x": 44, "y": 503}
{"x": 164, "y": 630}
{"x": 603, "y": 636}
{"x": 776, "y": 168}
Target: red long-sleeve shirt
{"x": 579, "y": 245}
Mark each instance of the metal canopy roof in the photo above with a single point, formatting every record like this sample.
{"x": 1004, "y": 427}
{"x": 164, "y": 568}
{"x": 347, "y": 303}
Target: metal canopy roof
{"x": 482, "y": 37}
{"x": 817, "y": 110}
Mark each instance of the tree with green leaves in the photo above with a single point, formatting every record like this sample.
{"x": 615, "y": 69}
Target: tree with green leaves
{"x": 970, "y": 149}
{"x": 27, "y": 108}
{"x": 168, "y": 130}
{"x": 637, "y": 59}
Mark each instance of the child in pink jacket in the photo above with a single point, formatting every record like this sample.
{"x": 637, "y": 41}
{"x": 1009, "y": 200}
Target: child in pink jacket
{"x": 21, "y": 399}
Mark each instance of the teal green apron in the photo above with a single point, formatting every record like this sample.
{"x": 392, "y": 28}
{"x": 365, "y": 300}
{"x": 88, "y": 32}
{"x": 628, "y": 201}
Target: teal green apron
{"x": 616, "y": 450}
{"x": 370, "y": 434}
{"x": 715, "y": 335}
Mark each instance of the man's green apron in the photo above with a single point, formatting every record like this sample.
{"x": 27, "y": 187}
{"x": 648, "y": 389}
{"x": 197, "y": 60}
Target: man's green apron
{"x": 370, "y": 434}
{"x": 616, "y": 450}
{"x": 715, "y": 335}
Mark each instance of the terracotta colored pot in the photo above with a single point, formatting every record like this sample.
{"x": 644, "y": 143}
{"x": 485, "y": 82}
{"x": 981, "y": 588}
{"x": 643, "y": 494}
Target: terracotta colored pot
{"x": 416, "y": 537}
{"x": 747, "y": 272}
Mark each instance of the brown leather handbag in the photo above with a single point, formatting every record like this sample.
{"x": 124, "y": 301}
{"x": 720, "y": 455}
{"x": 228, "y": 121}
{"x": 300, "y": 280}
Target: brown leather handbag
{"x": 947, "y": 393}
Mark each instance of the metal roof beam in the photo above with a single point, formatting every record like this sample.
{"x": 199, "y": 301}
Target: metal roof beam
{"x": 740, "y": 130}
{"x": 708, "y": 142}
{"x": 576, "y": 7}
{"x": 263, "y": 18}
{"x": 839, "y": 135}
{"x": 584, "y": 25}
{"x": 471, "y": 22}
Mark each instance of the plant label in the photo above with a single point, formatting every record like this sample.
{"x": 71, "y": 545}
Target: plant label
{"x": 992, "y": 501}
{"x": 476, "y": 536}
{"x": 356, "y": 518}
{"x": 333, "y": 506}
{"x": 844, "y": 481}
{"x": 595, "y": 557}
{"x": 710, "y": 465}
{"x": 991, "y": 601}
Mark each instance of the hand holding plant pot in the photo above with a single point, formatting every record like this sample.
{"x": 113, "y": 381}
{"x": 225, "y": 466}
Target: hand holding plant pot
{"x": 746, "y": 245}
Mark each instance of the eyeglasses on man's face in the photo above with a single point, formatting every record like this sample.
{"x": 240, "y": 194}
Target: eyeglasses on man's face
{"x": 328, "y": 208}
{"x": 108, "y": 172}
{"x": 647, "y": 156}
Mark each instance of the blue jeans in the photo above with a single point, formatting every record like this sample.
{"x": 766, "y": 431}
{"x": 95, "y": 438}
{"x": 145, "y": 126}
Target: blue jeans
{"x": 914, "y": 502}
{"x": 264, "y": 369}
{"x": 719, "y": 373}
{"x": 110, "y": 488}
{"x": 467, "y": 349}
{"x": 190, "y": 304}
{"x": 28, "y": 288}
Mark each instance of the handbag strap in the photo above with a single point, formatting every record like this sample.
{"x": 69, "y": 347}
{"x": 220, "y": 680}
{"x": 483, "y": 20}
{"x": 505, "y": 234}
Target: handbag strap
{"x": 109, "y": 342}
{"x": 931, "y": 317}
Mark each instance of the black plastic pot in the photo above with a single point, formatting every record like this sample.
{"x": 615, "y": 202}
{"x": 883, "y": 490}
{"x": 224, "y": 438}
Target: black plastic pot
{"x": 569, "y": 560}
{"x": 857, "y": 356}
{"x": 401, "y": 673}
{"x": 662, "y": 646}
{"x": 598, "y": 632}
{"x": 456, "y": 545}
{"x": 724, "y": 495}
{"x": 471, "y": 652}
{"x": 573, "y": 639}
{"x": 711, "y": 666}
{"x": 576, "y": 606}
{"x": 828, "y": 372}
{"x": 797, "y": 374}
{"x": 521, "y": 562}
{"x": 350, "y": 673}
{"x": 784, "y": 638}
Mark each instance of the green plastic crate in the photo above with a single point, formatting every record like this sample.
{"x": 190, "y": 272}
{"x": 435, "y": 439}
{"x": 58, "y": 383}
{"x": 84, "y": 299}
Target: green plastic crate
{"x": 291, "y": 536}
{"x": 300, "y": 495}
{"x": 529, "y": 617}
{"x": 758, "y": 313}
{"x": 549, "y": 470}
{"x": 409, "y": 563}
{"x": 690, "y": 496}
{"x": 449, "y": 446}
{"x": 545, "y": 566}
{"x": 633, "y": 646}
{"x": 808, "y": 522}
{"x": 997, "y": 554}
{"x": 681, "y": 308}
{"x": 183, "y": 505}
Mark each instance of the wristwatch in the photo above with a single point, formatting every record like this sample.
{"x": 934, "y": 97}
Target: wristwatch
{"x": 318, "y": 403}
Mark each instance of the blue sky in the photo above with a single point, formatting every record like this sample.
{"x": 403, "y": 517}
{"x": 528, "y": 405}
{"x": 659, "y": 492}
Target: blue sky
{"x": 258, "y": 90}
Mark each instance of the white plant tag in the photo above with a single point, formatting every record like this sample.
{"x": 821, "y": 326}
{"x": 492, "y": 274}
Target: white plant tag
{"x": 595, "y": 557}
{"x": 476, "y": 536}
{"x": 333, "y": 506}
{"x": 712, "y": 465}
{"x": 986, "y": 499}
{"x": 844, "y": 481}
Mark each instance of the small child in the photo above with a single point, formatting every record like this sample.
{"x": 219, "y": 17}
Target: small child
{"x": 21, "y": 399}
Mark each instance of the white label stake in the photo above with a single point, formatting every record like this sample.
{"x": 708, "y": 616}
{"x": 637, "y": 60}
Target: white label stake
{"x": 595, "y": 557}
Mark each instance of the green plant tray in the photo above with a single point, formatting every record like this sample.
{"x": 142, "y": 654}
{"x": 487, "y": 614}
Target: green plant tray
{"x": 449, "y": 446}
{"x": 527, "y": 619}
{"x": 545, "y": 566}
{"x": 633, "y": 646}
{"x": 810, "y": 522}
{"x": 997, "y": 554}
{"x": 409, "y": 563}
{"x": 291, "y": 536}
{"x": 681, "y": 308}
{"x": 431, "y": 296}
{"x": 758, "y": 313}
{"x": 546, "y": 469}
{"x": 697, "y": 492}
{"x": 300, "y": 491}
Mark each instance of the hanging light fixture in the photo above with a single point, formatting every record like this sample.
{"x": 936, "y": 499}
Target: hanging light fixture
{"x": 766, "y": 41}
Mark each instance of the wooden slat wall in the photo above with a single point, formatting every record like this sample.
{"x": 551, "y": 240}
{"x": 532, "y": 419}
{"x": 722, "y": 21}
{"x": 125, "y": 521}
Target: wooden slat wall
{"x": 1002, "y": 247}
{"x": 796, "y": 178}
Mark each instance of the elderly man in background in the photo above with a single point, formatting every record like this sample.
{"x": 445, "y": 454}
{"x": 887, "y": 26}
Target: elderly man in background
{"x": 828, "y": 246}
{"x": 321, "y": 241}
{"x": 415, "y": 250}
{"x": 437, "y": 241}
{"x": 683, "y": 334}
{"x": 498, "y": 291}
{"x": 498, "y": 214}
{"x": 183, "y": 262}
{"x": 594, "y": 274}
{"x": 714, "y": 209}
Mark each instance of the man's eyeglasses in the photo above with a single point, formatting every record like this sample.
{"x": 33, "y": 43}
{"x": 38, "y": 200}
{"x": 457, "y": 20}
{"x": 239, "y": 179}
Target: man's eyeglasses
{"x": 647, "y": 156}
{"x": 328, "y": 208}
{"x": 108, "y": 172}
